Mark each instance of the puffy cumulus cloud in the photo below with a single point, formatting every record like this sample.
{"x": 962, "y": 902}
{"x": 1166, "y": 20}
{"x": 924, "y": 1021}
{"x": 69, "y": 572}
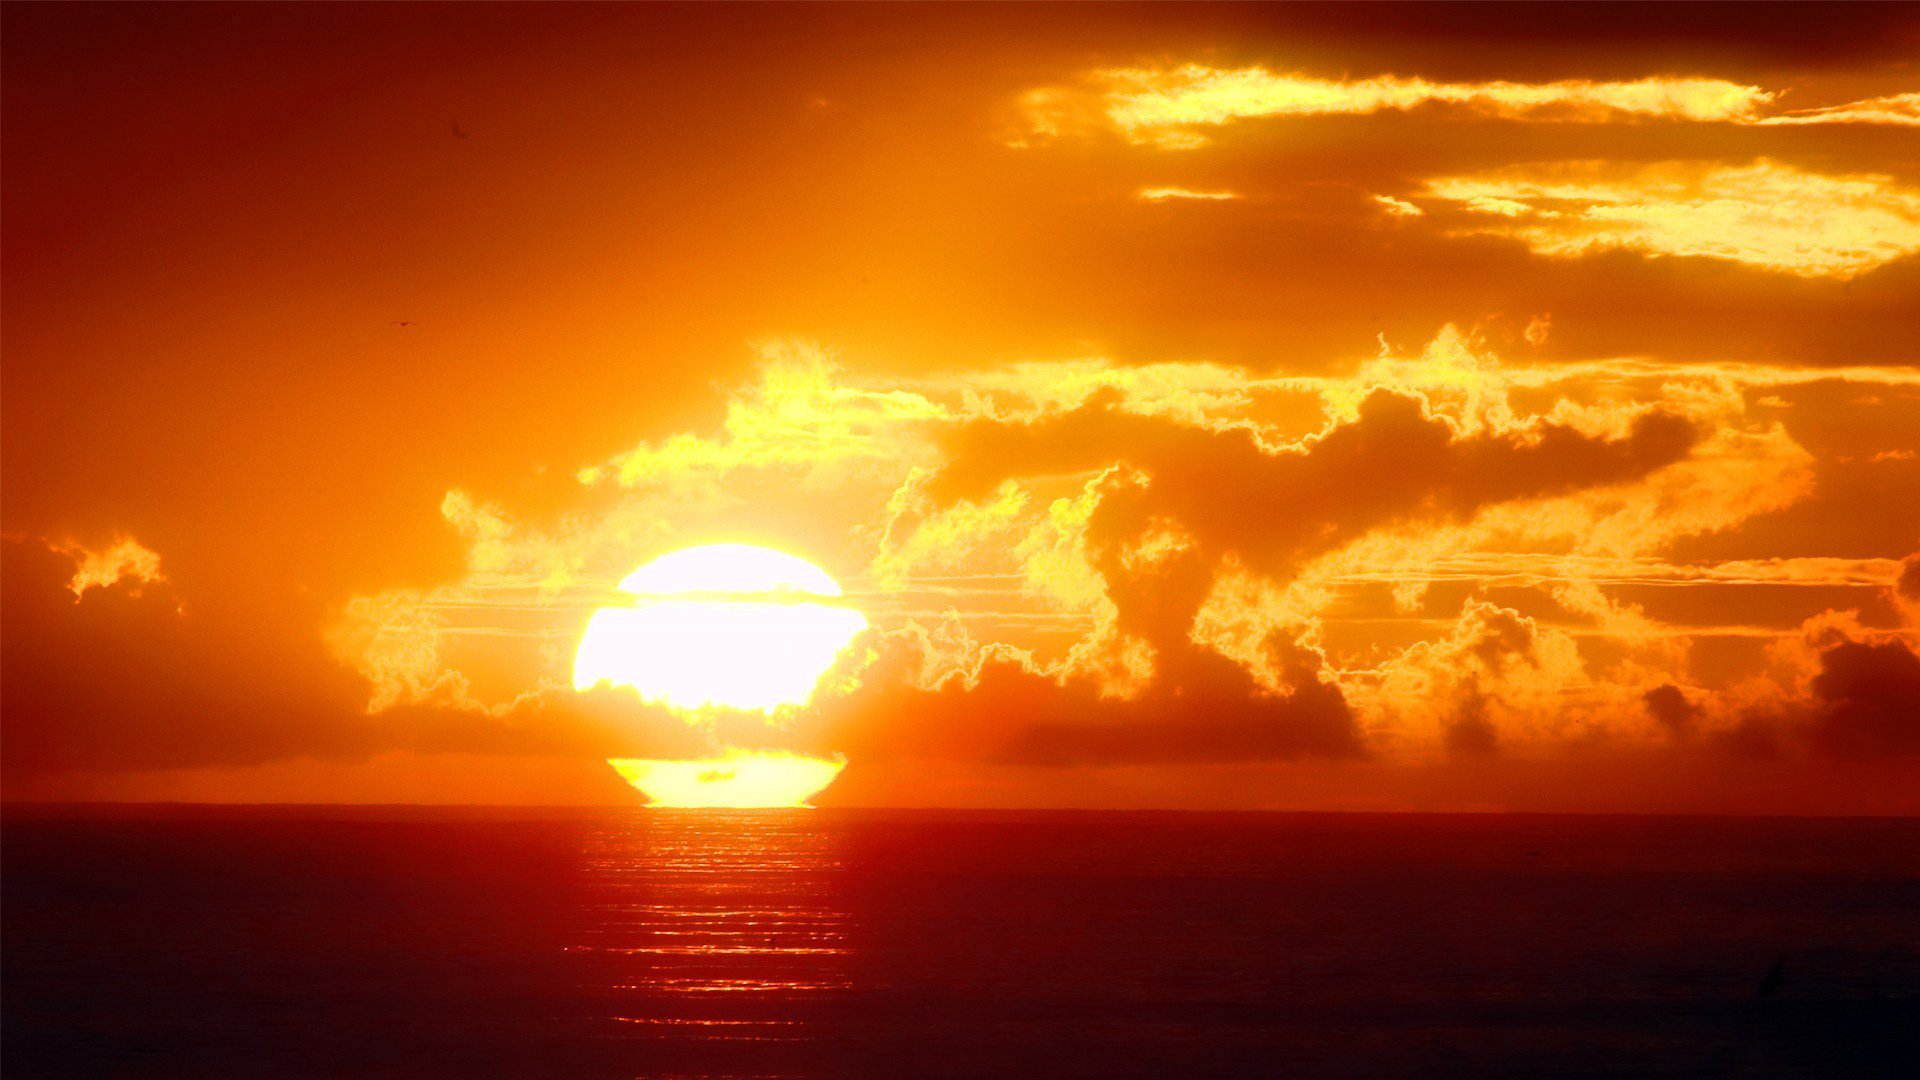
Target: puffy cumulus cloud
{"x": 1667, "y": 704}
{"x": 1907, "y": 585}
{"x": 942, "y": 694}
{"x": 1066, "y": 563}
{"x": 800, "y": 418}
{"x": 1173, "y": 107}
{"x": 125, "y": 559}
{"x": 1209, "y": 537}
{"x": 1836, "y": 688}
{"x": 1394, "y": 462}
{"x": 499, "y": 639}
{"x": 1765, "y": 214}
{"x": 1571, "y": 497}
{"x": 1866, "y": 700}
{"x": 1078, "y": 562}
{"x": 1496, "y": 675}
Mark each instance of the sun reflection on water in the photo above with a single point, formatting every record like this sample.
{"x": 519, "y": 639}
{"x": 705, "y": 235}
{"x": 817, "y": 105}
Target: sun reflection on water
{"x": 715, "y": 925}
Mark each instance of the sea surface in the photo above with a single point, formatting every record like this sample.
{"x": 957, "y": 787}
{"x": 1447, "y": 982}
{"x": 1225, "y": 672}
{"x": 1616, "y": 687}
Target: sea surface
{"x": 275, "y": 942}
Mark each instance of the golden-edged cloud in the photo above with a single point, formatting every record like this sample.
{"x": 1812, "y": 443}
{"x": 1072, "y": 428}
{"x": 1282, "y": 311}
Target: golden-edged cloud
{"x": 1174, "y": 107}
{"x": 1765, "y": 214}
{"x": 1399, "y": 208}
{"x": 125, "y": 559}
{"x": 1090, "y": 552}
{"x": 1164, "y": 194}
{"x": 1897, "y": 109}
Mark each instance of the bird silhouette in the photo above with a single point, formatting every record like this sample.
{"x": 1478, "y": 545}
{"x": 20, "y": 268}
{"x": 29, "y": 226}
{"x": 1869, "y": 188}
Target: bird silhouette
{"x": 403, "y": 322}
{"x": 458, "y": 131}
{"x": 1772, "y": 980}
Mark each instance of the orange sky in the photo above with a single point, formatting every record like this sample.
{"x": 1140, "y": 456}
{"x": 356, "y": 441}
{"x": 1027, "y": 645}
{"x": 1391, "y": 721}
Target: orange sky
{"x": 1351, "y": 407}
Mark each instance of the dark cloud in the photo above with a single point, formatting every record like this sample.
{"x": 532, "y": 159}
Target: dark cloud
{"x": 1271, "y": 512}
{"x": 1471, "y": 734}
{"x": 1863, "y": 705}
{"x": 1867, "y": 701}
{"x": 1758, "y": 736}
{"x": 1201, "y": 707}
{"x": 1907, "y": 587}
{"x": 1668, "y": 705}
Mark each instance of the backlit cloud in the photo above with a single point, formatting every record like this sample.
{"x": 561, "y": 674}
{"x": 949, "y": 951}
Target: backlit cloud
{"x": 1162, "y": 194}
{"x": 1897, "y": 109}
{"x": 1173, "y": 107}
{"x": 1399, "y": 208}
{"x": 125, "y": 559}
{"x": 1145, "y": 451}
{"x": 1765, "y": 214}
{"x": 1049, "y": 544}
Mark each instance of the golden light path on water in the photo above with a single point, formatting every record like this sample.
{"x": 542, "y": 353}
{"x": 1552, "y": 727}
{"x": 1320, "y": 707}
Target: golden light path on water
{"x": 724, "y": 927}
{"x": 722, "y": 626}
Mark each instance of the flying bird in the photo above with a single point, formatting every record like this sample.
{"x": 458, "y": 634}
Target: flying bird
{"x": 403, "y": 322}
{"x": 458, "y": 131}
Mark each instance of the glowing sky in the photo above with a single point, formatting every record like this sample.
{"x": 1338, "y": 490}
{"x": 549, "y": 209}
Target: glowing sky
{"x": 1202, "y": 406}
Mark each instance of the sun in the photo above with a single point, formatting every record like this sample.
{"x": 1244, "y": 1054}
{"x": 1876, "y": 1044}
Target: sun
{"x": 739, "y": 779}
{"x": 730, "y": 626}
{"x": 722, "y": 626}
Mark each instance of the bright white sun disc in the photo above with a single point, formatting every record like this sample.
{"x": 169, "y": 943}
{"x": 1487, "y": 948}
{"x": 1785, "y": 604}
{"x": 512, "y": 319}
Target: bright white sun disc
{"x": 724, "y": 625}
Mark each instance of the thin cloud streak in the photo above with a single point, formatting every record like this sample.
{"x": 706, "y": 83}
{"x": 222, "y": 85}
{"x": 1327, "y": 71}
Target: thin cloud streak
{"x": 1767, "y": 214}
{"x": 1170, "y": 108}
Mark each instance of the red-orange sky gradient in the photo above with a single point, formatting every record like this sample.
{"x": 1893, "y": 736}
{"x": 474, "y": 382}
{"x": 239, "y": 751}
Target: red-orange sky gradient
{"x": 1354, "y": 407}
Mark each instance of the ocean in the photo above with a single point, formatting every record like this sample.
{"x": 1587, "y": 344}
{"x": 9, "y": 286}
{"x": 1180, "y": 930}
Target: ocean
{"x": 395, "y": 941}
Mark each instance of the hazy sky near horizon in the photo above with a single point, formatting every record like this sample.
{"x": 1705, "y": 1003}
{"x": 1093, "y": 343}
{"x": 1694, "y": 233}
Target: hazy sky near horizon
{"x": 1318, "y": 407}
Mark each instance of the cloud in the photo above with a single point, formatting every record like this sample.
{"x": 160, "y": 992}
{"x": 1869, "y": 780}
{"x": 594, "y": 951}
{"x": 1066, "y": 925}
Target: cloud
{"x": 1671, "y": 708}
{"x": 1393, "y": 462}
{"x": 159, "y": 679}
{"x": 1496, "y": 675}
{"x": 1896, "y": 109}
{"x": 1866, "y": 700}
{"x": 125, "y": 559}
{"x": 998, "y": 708}
{"x": 1164, "y": 532}
{"x": 1121, "y": 565}
{"x": 1171, "y": 108}
{"x": 1163, "y": 194}
{"x": 1399, "y": 208}
{"x": 1766, "y": 214}
{"x": 1834, "y": 687}
{"x": 1290, "y": 565}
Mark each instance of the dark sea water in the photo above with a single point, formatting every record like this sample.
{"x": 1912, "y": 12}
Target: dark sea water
{"x": 270, "y": 942}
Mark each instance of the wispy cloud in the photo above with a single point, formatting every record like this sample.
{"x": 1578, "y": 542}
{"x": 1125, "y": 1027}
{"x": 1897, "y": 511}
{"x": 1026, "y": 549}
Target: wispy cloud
{"x": 1766, "y": 214}
{"x": 1400, "y": 208}
{"x": 1172, "y": 107}
{"x": 1899, "y": 109}
{"x": 1164, "y": 194}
